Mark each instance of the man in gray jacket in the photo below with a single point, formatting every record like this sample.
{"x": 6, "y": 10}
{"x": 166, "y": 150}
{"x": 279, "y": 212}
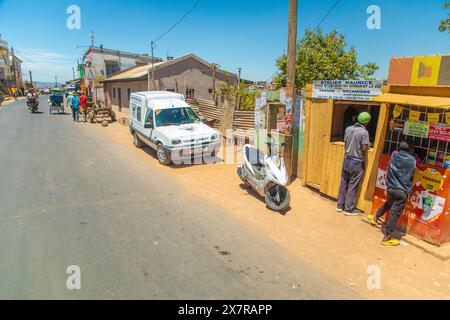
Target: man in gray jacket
{"x": 399, "y": 185}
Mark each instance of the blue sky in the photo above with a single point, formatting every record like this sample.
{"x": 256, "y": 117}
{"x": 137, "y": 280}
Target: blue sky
{"x": 234, "y": 33}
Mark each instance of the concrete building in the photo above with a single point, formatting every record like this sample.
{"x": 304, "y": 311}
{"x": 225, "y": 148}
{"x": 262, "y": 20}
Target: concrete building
{"x": 102, "y": 63}
{"x": 4, "y": 63}
{"x": 188, "y": 75}
{"x": 10, "y": 68}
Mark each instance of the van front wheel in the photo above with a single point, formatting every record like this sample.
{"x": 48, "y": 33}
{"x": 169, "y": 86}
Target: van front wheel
{"x": 162, "y": 155}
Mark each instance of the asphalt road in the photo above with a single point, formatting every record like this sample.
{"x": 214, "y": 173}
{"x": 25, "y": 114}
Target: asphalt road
{"x": 69, "y": 195}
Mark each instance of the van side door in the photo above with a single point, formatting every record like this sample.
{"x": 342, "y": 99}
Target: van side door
{"x": 149, "y": 127}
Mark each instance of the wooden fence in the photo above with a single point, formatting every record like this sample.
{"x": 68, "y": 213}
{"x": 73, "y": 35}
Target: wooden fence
{"x": 243, "y": 121}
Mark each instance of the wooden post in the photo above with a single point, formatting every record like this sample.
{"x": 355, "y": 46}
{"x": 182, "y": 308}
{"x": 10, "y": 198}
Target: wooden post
{"x": 214, "y": 67}
{"x": 291, "y": 63}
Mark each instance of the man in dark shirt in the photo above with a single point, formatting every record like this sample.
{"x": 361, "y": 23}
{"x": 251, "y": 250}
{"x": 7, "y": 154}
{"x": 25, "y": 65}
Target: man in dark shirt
{"x": 399, "y": 185}
{"x": 356, "y": 144}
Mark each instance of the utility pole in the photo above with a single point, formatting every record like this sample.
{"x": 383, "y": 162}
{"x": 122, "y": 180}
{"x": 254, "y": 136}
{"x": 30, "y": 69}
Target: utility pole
{"x": 239, "y": 75}
{"x": 291, "y": 62}
{"x": 151, "y": 73}
{"x": 92, "y": 36}
{"x": 214, "y": 67}
{"x": 56, "y": 81}
{"x": 73, "y": 72}
{"x": 13, "y": 67}
{"x": 31, "y": 79}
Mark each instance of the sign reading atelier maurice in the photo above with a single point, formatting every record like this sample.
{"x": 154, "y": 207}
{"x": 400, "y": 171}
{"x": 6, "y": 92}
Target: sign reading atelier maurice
{"x": 357, "y": 90}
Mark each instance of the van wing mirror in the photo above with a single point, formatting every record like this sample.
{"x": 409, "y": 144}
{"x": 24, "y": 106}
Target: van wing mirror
{"x": 148, "y": 125}
{"x": 203, "y": 118}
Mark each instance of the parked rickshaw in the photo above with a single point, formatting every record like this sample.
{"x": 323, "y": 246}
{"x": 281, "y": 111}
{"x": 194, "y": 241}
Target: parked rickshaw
{"x": 56, "y": 101}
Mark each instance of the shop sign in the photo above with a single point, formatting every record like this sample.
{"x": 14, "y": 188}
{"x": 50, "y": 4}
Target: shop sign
{"x": 440, "y": 132}
{"x": 416, "y": 129}
{"x": 357, "y": 90}
{"x": 397, "y": 125}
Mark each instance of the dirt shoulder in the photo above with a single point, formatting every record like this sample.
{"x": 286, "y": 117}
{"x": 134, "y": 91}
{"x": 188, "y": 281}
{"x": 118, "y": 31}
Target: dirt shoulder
{"x": 346, "y": 248}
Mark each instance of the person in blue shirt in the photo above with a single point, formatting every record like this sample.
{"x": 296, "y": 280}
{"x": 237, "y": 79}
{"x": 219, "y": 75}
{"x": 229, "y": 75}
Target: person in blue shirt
{"x": 75, "y": 107}
{"x": 399, "y": 182}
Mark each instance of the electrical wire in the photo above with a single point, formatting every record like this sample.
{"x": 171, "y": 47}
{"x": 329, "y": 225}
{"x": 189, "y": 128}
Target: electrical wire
{"x": 178, "y": 22}
{"x": 328, "y": 13}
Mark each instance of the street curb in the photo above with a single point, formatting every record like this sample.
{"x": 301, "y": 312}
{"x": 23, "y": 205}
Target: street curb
{"x": 442, "y": 252}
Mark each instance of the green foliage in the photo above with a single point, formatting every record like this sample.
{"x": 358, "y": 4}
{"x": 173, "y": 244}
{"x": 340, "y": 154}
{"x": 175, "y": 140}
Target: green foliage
{"x": 324, "y": 57}
{"x": 445, "y": 23}
{"x": 230, "y": 92}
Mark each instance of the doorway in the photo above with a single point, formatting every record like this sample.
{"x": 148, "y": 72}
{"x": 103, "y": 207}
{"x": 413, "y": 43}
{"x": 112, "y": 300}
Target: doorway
{"x": 119, "y": 91}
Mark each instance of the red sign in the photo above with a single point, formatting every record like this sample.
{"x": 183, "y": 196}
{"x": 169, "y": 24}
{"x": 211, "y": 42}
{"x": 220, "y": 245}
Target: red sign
{"x": 439, "y": 132}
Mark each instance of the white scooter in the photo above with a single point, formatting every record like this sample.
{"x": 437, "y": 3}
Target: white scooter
{"x": 267, "y": 175}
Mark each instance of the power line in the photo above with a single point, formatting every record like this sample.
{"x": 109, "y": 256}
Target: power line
{"x": 328, "y": 13}
{"x": 178, "y": 22}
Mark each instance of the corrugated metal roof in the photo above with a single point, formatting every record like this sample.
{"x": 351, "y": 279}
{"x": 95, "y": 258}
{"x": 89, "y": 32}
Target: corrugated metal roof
{"x": 422, "y": 101}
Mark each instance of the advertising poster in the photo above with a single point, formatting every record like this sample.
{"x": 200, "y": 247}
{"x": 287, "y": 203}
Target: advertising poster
{"x": 440, "y": 132}
{"x": 416, "y": 129}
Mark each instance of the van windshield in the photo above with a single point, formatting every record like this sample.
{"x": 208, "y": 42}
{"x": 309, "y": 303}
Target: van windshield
{"x": 175, "y": 116}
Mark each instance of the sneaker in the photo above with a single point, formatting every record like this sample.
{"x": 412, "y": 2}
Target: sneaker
{"x": 374, "y": 222}
{"x": 339, "y": 209}
{"x": 353, "y": 213}
{"x": 390, "y": 242}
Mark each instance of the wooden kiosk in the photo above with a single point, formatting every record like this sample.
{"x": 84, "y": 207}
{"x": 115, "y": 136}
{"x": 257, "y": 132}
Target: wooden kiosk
{"x": 330, "y": 107}
{"x": 414, "y": 105}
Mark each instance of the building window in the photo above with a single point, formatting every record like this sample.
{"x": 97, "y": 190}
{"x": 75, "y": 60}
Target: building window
{"x": 129, "y": 94}
{"x": 114, "y": 92}
{"x": 111, "y": 68}
{"x": 170, "y": 90}
{"x": 210, "y": 91}
{"x": 189, "y": 93}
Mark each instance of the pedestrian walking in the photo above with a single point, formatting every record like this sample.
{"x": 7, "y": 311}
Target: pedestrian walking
{"x": 75, "y": 107}
{"x": 399, "y": 183}
{"x": 83, "y": 102}
{"x": 356, "y": 145}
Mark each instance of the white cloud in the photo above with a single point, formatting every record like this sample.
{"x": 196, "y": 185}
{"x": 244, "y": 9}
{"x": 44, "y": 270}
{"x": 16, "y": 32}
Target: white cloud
{"x": 45, "y": 65}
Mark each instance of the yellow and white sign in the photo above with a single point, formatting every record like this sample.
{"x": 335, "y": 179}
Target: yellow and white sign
{"x": 398, "y": 111}
{"x": 414, "y": 115}
{"x": 431, "y": 179}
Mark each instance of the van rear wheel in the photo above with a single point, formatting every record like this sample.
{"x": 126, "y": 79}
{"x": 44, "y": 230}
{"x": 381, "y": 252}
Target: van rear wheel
{"x": 162, "y": 155}
{"x": 136, "y": 141}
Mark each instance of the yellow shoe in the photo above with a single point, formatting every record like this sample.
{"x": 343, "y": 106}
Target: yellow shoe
{"x": 371, "y": 220}
{"x": 391, "y": 242}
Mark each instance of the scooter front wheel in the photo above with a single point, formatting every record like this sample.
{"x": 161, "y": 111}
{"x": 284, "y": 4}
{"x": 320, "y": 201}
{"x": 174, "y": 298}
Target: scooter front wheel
{"x": 278, "y": 198}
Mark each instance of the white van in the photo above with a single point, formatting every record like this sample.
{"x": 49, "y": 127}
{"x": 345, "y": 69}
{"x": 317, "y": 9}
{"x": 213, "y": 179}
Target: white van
{"x": 165, "y": 122}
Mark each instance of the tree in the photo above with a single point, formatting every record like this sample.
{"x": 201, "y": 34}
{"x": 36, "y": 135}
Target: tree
{"x": 229, "y": 92}
{"x": 324, "y": 57}
{"x": 445, "y": 23}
